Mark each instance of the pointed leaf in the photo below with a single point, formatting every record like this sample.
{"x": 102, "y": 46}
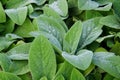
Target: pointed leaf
{"x": 91, "y": 30}
{"x": 2, "y": 14}
{"x": 42, "y": 59}
{"x": 72, "y": 38}
{"x": 76, "y": 75}
{"x": 60, "y": 6}
{"x": 82, "y": 60}
{"x": 25, "y": 29}
{"x": 18, "y": 15}
{"x": 108, "y": 62}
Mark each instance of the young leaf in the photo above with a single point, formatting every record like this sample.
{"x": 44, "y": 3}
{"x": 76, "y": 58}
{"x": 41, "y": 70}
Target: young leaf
{"x": 56, "y": 44}
{"x": 19, "y": 52}
{"x": 19, "y": 67}
{"x": 18, "y": 15}
{"x": 8, "y": 76}
{"x": 110, "y": 21}
{"x": 91, "y": 30}
{"x": 76, "y": 75}
{"x": 21, "y": 3}
{"x": 72, "y": 38}
{"x": 2, "y": 14}
{"x": 25, "y": 29}
{"x": 5, "y": 62}
{"x": 65, "y": 70}
{"x": 87, "y": 4}
{"x": 108, "y": 62}
{"x": 42, "y": 59}
{"x": 82, "y": 60}
{"x": 60, "y": 6}
{"x": 51, "y": 26}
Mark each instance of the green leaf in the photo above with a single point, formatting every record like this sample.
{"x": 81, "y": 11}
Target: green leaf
{"x": 25, "y": 29}
{"x": 2, "y": 14}
{"x": 116, "y": 8}
{"x": 42, "y": 59}
{"x": 50, "y": 12}
{"x": 108, "y": 62}
{"x": 19, "y": 52}
{"x": 43, "y": 78}
{"x": 76, "y": 75}
{"x": 92, "y": 14}
{"x": 51, "y": 26}
{"x": 87, "y": 4}
{"x": 91, "y": 30}
{"x": 65, "y": 70}
{"x": 59, "y": 77}
{"x": 100, "y": 39}
{"x": 72, "y": 37}
{"x": 110, "y": 21}
{"x": 82, "y": 60}
{"x": 9, "y": 26}
{"x": 8, "y": 76}
{"x": 21, "y": 3}
{"x": 108, "y": 77}
{"x": 105, "y": 8}
{"x": 5, "y": 43}
{"x": 25, "y": 76}
{"x": 56, "y": 44}
{"x": 5, "y": 62}
{"x": 19, "y": 67}
{"x": 116, "y": 49}
{"x": 60, "y": 6}
{"x": 18, "y": 15}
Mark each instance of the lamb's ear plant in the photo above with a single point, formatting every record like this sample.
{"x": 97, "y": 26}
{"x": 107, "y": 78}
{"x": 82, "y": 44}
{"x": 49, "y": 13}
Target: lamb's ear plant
{"x": 60, "y": 39}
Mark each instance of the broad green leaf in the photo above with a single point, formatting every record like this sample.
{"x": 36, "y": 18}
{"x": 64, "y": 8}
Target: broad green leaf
{"x": 87, "y": 4}
{"x": 116, "y": 49}
{"x": 76, "y": 75}
{"x": 110, "y": 21}
{"x": 82, "y": 60}
{"x": 91, "y": 31}
{"x": 56, "y": 44}
{"x": 42, "y": 59}
{"x": 43, "y": 78}
{"x": 21, "y": 3}
{"x": 59, "y": 77}
{"x": 18, "y": 15}
{"x": 65, "y": 70}
{"x": 2, "y": 14}
{"x": 25, "y": 29}
{"x": 51, "y": 26}
{"x": 5, "y": 62}
{"x": 19, "y": 52}
{"x": 60, "y": 6}
{"x": 8, "y": 76}
{"x": 108, "y": 62}
{"x": 5, "y": 43}
{"x": 72, "y": 37}
{"x": 19, "y": 67}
